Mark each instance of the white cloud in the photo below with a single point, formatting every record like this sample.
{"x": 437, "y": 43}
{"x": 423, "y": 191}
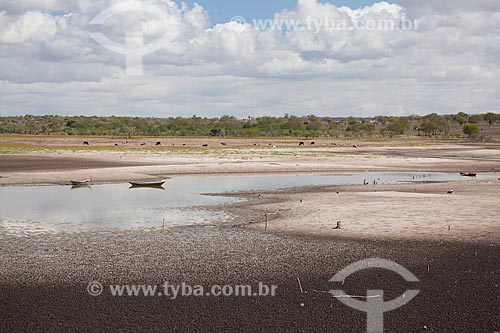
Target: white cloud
{"x": 50, "y": 64}
{"x": 447, "y": 7}
{"x": 32, "y": 27}
{"x": 15, "y": 6}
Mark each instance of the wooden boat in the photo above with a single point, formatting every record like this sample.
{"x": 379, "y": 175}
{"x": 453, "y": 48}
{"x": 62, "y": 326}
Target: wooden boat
{"x": 147, "y": 184}
{"x": 468, "y": 174}
{"x": 80, "y": 182}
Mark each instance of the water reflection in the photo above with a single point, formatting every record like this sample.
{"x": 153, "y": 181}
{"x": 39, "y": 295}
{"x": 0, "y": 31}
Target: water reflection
{"x": 47, "y": 209}
{"x": 86, "y": 187}
{"x": 153, "y": 187}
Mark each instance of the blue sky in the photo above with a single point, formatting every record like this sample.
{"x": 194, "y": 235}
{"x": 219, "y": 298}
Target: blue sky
{"x": 221, "y": 11}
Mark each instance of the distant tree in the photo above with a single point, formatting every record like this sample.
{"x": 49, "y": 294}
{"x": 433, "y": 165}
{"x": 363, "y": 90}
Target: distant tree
{"x": 461, "y": 118}
{"x": 308, "y": 126}
{"x": 491, "y": 118}
{"x": 217, "y": 132}
{"x": 471, "y": 129}
{"x": 476, "y": 119}
{"x": 396, "y": 126}
{"x": 435, "y": 124}
{"x": 382, "y": 119}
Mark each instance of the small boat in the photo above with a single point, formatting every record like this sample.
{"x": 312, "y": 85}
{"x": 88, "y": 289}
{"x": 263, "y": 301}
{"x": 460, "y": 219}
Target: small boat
{"x": 147, "y": 184}
{"x": 80, "y": 182}
{"x": 468, "y": 174}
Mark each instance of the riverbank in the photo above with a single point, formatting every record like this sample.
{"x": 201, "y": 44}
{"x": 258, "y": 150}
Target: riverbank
{"x": 61, "y": 166}
{"x": 416, "y": 210}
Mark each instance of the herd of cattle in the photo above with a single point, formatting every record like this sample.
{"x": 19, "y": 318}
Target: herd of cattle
{"x": 301, "y": 143}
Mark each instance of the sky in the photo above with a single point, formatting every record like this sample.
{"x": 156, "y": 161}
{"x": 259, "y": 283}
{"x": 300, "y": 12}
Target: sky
{"x": 223, "y": 10}
{"x": 336, "y": 58}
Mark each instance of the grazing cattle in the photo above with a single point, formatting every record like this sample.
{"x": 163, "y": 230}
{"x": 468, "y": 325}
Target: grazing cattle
{"x": 205, "y": 145}
{"x": 158, "y": 143}
{"x": 143, "y": 144}
{"x": 302, "y": 143}
{"x": 116, "y": 144}
{"x": 355, "y": 146}
{"x": 223, "y": 144}
{"x": 183, "y": 144}
{"x": 86, "y": 143}
{"x": 313, "y": 143}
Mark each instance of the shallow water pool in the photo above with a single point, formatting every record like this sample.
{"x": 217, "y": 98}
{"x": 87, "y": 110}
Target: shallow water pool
{"x": 26, "y": 210}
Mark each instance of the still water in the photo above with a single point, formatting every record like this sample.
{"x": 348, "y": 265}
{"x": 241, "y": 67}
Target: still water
{"x": 26, "y": 210}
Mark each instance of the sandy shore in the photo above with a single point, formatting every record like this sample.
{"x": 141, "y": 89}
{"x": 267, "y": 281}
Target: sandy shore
{"x": 404, "y": 211}
{"x": 417, "y": 210}
{"x": 60, "y": 166}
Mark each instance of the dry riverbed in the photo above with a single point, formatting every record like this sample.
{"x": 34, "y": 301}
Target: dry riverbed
{"x": 449, "y": 241}
{"x": 403, "y": 211}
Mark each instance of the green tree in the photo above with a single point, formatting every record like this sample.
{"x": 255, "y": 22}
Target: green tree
{"x": 491, "y": 118}
{"x": 471, "y": 129}
{"x": 461, "y": 118}
{"x": 435, "y": 124}
{"x": 396, "y": 126}
{"x": 476, "y": 119}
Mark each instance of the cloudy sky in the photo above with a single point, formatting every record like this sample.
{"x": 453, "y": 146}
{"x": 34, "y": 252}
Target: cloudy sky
{"x": 329, "y": 58}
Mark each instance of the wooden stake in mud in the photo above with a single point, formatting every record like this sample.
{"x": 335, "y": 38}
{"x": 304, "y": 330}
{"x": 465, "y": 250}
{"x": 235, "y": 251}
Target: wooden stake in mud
{"x": 267, "y": 219}
{"x": 300, "y": 286}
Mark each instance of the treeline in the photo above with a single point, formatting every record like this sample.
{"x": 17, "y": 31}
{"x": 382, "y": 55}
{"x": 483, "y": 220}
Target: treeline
{"x": 310, "y": 126}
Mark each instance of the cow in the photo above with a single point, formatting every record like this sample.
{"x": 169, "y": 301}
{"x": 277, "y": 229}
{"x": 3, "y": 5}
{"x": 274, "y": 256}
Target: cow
{"x": 313, "y": 143}
{"x": 86, "y": 143}
{"x": 205, "y": 145}
{"x": 302, "y": 143}
{"x": 158, "y": 143}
